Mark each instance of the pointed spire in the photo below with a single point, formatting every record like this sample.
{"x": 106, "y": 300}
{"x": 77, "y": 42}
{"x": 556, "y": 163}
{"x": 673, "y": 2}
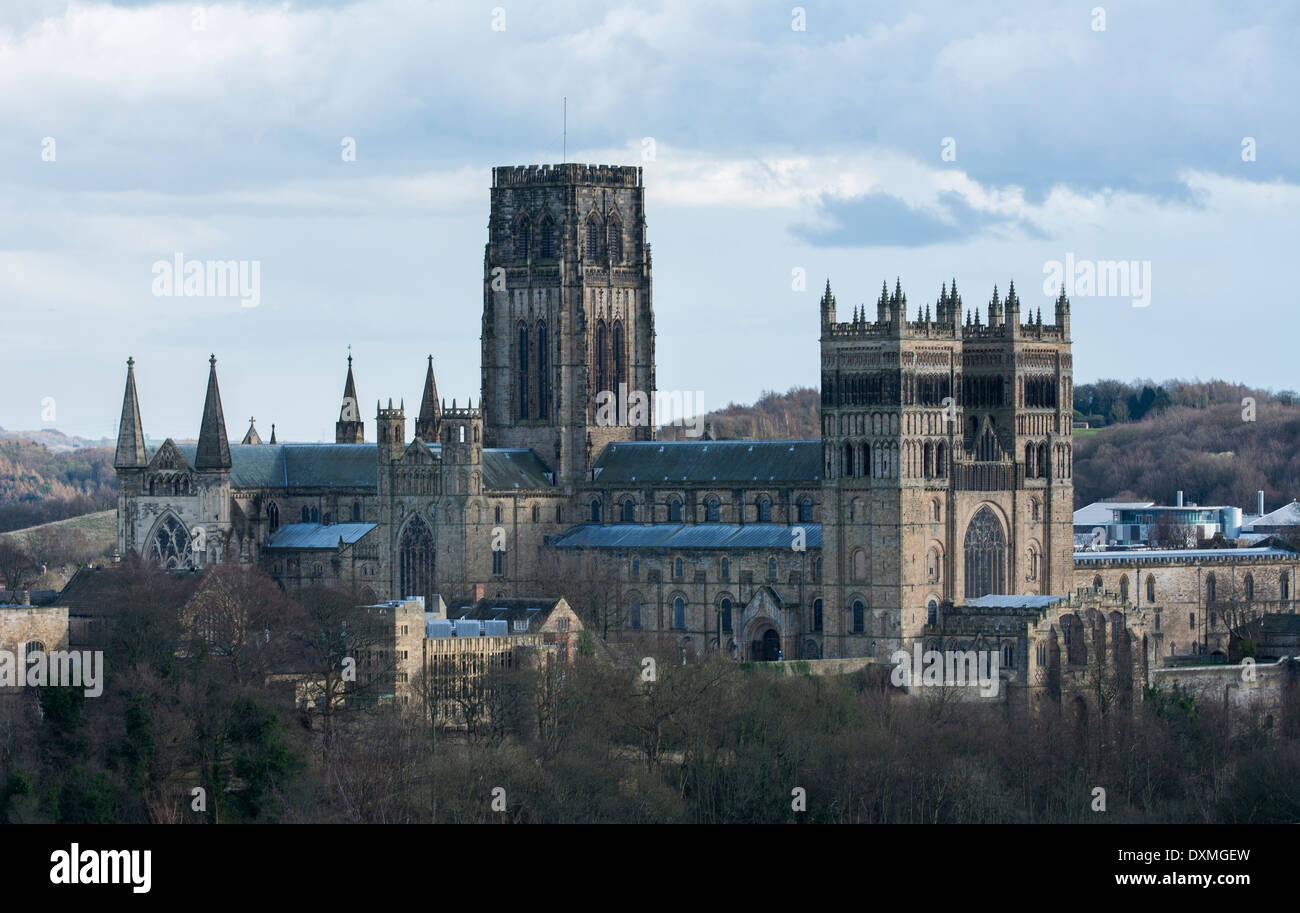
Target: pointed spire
{"x": 213, "y": 451}
{"x": 350, "y": 429}
{"x": 273, "y": 432}
{"x": 429, "y": 422}
{"x": 130, "y": 433}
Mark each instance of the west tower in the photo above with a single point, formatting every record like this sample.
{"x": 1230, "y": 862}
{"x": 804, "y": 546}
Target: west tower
{"x": 567, "y": 310}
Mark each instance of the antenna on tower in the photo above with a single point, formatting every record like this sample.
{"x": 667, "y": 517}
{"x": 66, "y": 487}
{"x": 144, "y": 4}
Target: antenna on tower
{"x": 564, "y": 154}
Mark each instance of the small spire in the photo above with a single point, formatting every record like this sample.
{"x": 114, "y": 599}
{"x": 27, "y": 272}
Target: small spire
{"x": 273, "y": 432}
{"x": 429, "y": 422}
{"x": 213, "y": 451}
{"x": 130, "y": 432}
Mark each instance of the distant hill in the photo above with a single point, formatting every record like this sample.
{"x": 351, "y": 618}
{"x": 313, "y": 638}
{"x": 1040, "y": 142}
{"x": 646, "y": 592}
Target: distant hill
{"x": 55, "y": 440}
{"x": 39, "y": 485}
{"x": 791, "y": 416}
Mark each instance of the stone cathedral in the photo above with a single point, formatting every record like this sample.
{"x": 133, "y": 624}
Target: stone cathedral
{"x": 942, "y": 475}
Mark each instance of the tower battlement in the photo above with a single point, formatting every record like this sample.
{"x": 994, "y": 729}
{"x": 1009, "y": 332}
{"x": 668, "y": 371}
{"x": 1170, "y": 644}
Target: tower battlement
{"x": 567, "y": 173}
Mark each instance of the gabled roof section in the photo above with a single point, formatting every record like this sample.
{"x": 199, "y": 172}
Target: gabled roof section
{"x": 533, "y": 610}
{"x": 213, "y": 451}
{"x": 352, "y": 466}
{"x": 130, "y": 432}
{"x": 317, "y": 535}
{"x": 1287, "y": 515}
{"x": 512, "y": 469}
{"x": 171, "y": 456}
{"x": 723, "y": 462}
{"x": 418, "y": 454}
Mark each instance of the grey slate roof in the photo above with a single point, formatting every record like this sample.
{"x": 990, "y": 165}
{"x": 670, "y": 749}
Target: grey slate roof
{"x": 299, "y": 465}
{"x": 514, "y": 469}
{"x": 317, "y": 535}
{"x": 749, "y": 462}
{"x": 995, "y": 601}
{"x": 533, "y": 610}
{"x": 676, "y": 536}
{"x": 1156, "y": 555}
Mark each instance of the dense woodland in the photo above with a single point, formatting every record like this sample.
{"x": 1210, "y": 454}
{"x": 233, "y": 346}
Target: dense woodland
{"x": 707, "y": 740}
{"x": 38, "y": 485}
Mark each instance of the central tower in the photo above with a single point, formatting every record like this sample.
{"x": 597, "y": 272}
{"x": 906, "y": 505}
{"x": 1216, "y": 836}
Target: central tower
{"x": 567, "y": 312}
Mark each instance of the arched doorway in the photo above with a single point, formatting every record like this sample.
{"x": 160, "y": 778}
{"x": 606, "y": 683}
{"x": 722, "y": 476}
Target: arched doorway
{"x": 766, "y": 646}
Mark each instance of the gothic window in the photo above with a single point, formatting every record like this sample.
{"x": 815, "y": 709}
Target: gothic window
{"x": 935, "y": 510}
{"x": 548, "y": 238}
{"x": 859, "y": 617}
{"x": 629, "y": 511}
{"x": 595, "y": 511}
{"x": 986, "y": 555}
{"x": 817, "y": 615}
{"x": 615, "y": 241}
{"x": 679, "y": 613}
{"x": 764, "y": 510}
{"x": 848, "y": 461}
{"x": 1033, "y": 563}
{"x": 941, "y": 460}
{"x": 496, "y": 514}
{"x": 711, "y": 510}
{"x": 523, "y": 371}
{"x": 932, "y": 613}
{"x": 636, "y": 566}
{"x": 805, "y": 511}
{"x": 356, "y": 511}
{"x": 498, "y": 562}
{"x": 537, "y": 513}
{"x": 30, "y": 648}
{"x": 273, "y": 516}
{"x": 927, "y": 460}
{"x": 677, "y": 568}
{"x": 1034, "y": 508}
{"x": 543, "y": 367}
{"x": 932, "y": 566}
{"x": 1210, "y": 593}
{"x": 171, "y": 544}
{"x": 859, "y": 565}
{"x": 306, "y": 514}
{"x": 819, "y": 568}
{"x": 771, "y": 568}
{"x": 726, "y": 568}
{"x": 601, "y": 385}
{"x": 1030, "y": 471}
{"x": 616, "y": 368}
{"x": 593, "y": 239}
{"x": 1123, "y": 587}
{"x": 1151, "y": 588}
{"x": 1249, "y": 587}
{"x": 726, "y": 614}
{"x": 521, "y": 239}
{"x": 1285, "y": 586}
{"x": 415, "y": 560}
{"x": 1096, "y": 583}
{"x": 634, "y": 615}
{"x": 674, "y": 511}
{"x": 559, "y": 514}
{"x": 1008, "y": 656}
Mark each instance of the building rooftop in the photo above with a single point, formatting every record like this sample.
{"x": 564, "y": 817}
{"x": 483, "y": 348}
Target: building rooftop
{"x": 676, "y": 536}
{"x": 1154, "y": 555}
{"x": 723, "y": 462}
{"x": 1099, "y": 513}
{"x": 317, "y": 535}
{"x": 1287, "y": 515}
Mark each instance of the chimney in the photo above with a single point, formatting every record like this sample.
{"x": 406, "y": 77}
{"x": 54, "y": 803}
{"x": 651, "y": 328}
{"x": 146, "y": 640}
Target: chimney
{"x": 1179, "y": 503}
{"x": 1259, "y": 503}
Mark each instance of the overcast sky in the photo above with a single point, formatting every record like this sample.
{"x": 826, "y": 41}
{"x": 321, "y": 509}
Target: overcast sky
{"x": 216, "y": 131}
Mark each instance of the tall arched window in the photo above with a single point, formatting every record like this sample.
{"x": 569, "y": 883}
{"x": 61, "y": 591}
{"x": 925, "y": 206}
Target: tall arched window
{"x": 674, "y": 511}
{"x": 595, "y": 511}
{"x": 726, "y": 568}
{"x": 771, "y": 568}
{"x": 1249, "y": 587}
{"x": 764, "y": 510}
{"x": 356, "y": 511}
{"x": 523, "y": 371}
{"x": 1210, "y": 592}
{"x": 543, "y": 368}
{"x": 601, "y": 379}
{"x": 548, "y": 238}
{"x": 629, "y": 511}
{"x": 1284, "y": 586}
{"x": 817, "y": 615}
{"x": 415, "y": 558}
{"x": 726, "y": 614}
{"x": 306, "y": 514}
{"x": 859, "y": 565}
{"x": 521, "y": 239}
{"x": 636, "y": 566}
{"x": 616, "y": 374}
{"x": 1151, "y": 588}
{"x": 986, "y": 555}
{"x": 819, "y": 568}
{"x": 805, "y": 511}
{"x": 273, "y": 516}
{"x": 170, "y": 546}
{"x": 932, "y": 613}
{"x": 593, "y": 238}
{"x": 711, "y": 510}
{"x": 1123, "y": 587}
{"x": 677, "y": 568}
{"x": 634, "y": 614}
{"x": 859, "y": 617}
{"x": 848, "y": 461}
{"x": 679, "y": 613}
{"x": 614, "y": 237}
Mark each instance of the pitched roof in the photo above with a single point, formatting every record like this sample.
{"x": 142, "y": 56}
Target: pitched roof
{"x": 724, "y": 462}
{"x": 300, "y": 465}
{"x": 213, "y": 451}
{"x": 317, "y": 535}
{"x": 1287, "y": 515}
{"x": 509, "y": 469}
{"x": 1101, "y": 512}
{"x": 534, "y": 610}
{"x": 99, "y": 590}
{"x": 676, "y": 536}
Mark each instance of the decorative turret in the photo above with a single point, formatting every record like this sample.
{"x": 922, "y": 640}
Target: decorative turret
{"x": 390, "y": 425}
{"x": 428, "y": 424}
{"x": 1013, "y": 308}
{"x": 462, "y": 435}
{"x": 828, "y": 306}
{"x": 251, "y": 436}
{"x": 130, "y": 433}
{"x": 995, "y": 310}
{"x": 349, "y": 429}
{"x": 213, "y": 451}
{"x": 1063, "y": 313}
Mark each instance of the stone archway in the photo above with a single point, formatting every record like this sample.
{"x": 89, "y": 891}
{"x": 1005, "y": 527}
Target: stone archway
{"x": 764, "y": 642}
